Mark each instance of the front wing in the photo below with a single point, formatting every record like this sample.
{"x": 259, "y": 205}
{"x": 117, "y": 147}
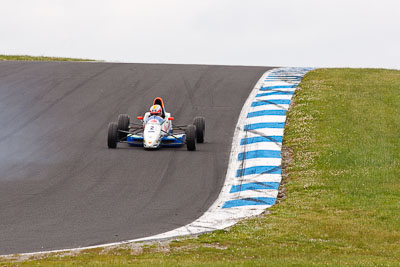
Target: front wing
{"x": 176, "y": 140}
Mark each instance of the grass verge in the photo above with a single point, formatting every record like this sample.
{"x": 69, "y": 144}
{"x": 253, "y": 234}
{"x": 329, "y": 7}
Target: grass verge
{"x": 342, "y": 204}
{"x": 31, "y": 58}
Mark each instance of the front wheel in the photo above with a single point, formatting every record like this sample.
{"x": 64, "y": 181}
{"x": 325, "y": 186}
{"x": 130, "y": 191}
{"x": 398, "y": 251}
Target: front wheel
{"x": 112, "y": 138}
{"x": 191, "y": 137}
{"x": 200, "y": 124}
{"x": 123, "y": 125}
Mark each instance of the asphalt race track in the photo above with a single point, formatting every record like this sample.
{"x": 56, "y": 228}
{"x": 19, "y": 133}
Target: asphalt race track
{"x": 61, "y": 187}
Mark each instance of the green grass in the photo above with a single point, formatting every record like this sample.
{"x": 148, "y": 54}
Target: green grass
{"x": 342, "y": 204}
{"x": 31, "y": 58}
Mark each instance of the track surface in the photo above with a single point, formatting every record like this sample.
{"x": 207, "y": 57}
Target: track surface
{"x": 61, "y": 187}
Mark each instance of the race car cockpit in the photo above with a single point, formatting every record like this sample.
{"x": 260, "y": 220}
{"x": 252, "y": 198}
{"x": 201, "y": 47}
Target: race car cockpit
{"x": 159, "y": 101}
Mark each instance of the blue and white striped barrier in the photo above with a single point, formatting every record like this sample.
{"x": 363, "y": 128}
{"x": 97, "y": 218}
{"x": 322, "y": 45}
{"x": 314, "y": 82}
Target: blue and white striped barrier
{"x": 254, "y": 170}
{"x": 256, "y": 163}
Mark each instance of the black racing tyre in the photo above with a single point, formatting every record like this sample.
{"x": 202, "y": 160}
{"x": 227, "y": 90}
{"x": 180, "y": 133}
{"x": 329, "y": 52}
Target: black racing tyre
{"x": 200, "y": 124}
{"x": 112, "y": 138}
{"x": 123, "y": 124}
{"x": 191, "y": 137}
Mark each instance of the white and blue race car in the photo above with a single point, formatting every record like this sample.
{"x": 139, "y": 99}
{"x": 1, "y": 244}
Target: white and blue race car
{"x": 155, "y": 131}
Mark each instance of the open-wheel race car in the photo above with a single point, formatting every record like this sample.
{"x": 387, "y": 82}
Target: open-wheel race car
{"x": 155, "y": 130}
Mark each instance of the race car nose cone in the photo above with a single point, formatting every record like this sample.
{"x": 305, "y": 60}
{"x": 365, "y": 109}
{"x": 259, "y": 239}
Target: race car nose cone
{"x": 151, "y": 135}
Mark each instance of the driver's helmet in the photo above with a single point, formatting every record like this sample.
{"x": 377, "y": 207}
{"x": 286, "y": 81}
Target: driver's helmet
{"x": 156, "y": 110}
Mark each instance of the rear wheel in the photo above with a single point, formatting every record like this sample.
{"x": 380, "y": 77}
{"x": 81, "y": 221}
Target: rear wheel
{"x": 112, "y": 138}
{"x": 191, "y": 137}
{"x": 200, "y": 124}
{"x": 123, "y": 125}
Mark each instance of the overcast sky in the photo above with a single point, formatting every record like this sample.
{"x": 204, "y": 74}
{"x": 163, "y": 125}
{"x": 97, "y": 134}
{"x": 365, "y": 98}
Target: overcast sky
{"x": 317, "y": 33}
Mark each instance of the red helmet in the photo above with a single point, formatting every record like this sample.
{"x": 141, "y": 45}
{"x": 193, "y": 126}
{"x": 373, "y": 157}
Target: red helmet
{"x": 156, "y": 110}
